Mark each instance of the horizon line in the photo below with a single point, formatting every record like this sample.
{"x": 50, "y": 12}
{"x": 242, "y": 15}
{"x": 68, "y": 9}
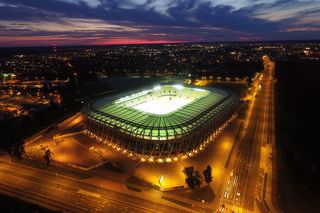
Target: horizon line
{"x": 166, "y": 43}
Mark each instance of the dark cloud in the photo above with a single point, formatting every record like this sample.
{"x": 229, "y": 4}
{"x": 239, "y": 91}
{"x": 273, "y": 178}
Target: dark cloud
{"x": 179, "y": 20}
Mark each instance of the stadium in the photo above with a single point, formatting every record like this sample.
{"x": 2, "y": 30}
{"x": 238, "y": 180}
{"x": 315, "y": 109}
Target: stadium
{"x": 162, "y": 123}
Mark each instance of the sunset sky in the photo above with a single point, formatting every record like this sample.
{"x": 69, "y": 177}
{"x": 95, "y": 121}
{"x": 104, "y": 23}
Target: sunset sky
{"x": 73, "y": 22}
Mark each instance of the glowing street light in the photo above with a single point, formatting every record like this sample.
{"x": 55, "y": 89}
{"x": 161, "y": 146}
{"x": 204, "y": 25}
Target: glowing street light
{"x": 161, "y": 180}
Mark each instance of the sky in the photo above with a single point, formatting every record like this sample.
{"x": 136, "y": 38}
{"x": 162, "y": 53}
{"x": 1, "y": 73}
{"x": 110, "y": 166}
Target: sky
{"x": 101, "y": 22}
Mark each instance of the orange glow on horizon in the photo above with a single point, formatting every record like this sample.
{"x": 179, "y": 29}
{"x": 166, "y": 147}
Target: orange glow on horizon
{"x": 135, "y": 41}
{"x": 65, "y": 40}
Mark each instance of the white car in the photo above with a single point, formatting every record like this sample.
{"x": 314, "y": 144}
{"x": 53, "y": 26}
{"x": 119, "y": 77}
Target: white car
{"x": 226, "y": 194}
{"x": 222, "y": 207}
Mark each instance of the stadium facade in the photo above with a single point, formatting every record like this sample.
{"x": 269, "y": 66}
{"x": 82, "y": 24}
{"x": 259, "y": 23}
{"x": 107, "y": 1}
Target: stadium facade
{"x": 163, "y": 123}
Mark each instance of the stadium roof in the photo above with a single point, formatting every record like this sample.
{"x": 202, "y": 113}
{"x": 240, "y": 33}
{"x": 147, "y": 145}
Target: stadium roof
{"x": 162, "y": 127}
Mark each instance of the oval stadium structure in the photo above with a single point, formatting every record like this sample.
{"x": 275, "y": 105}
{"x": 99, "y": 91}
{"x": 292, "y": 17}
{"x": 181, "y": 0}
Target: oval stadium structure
{"x": 162, "y": 123}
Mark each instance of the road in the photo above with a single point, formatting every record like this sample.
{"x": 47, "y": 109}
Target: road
{"x": 245, "y": 183}
{"x": 68, "y": 194}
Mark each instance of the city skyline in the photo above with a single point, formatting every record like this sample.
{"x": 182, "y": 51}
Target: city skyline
{"x": 98, "y": 22}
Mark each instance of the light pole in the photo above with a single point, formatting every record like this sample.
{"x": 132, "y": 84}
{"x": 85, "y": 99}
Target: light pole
{"x": 160, "y": 181}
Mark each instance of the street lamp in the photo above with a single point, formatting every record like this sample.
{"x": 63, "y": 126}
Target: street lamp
{"x": 161, "y": 180}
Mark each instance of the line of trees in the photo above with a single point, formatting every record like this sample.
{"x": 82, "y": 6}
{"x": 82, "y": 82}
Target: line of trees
{"x": 47, "y": 155}
{"x": 18, "y": 151}
{"x": 194, "y": 178}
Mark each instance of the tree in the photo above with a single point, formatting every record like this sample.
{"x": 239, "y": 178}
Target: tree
{"x": 22, "y": 150}
{"x": 18, "y": 150}
{"x": 207, "y": 173}
{"x": 193, "y": 177}
{"x": 249, "y": 81}
{"x": 188, "y": 171}
{"x": 197, "y": 178}
{"x": 48, "y": 156}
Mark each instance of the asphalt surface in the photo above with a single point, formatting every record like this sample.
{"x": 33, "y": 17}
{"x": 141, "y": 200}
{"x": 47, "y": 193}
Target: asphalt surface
{"x": 67, "y": 194}
{"x": 244, "y": 183}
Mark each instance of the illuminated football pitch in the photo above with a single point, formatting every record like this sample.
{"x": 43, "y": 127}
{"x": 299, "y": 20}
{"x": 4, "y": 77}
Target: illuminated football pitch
{"x": 162, "y": 105}
{"x": 165, "y": 99}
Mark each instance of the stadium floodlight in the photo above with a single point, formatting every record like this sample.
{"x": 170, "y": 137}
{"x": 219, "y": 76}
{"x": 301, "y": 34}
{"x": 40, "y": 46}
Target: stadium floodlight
{"x": 199, "y": 90}
{"x": 157, "y": 87}
{"x": 127, "y": 98}
{"x": 178, "y": 86}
